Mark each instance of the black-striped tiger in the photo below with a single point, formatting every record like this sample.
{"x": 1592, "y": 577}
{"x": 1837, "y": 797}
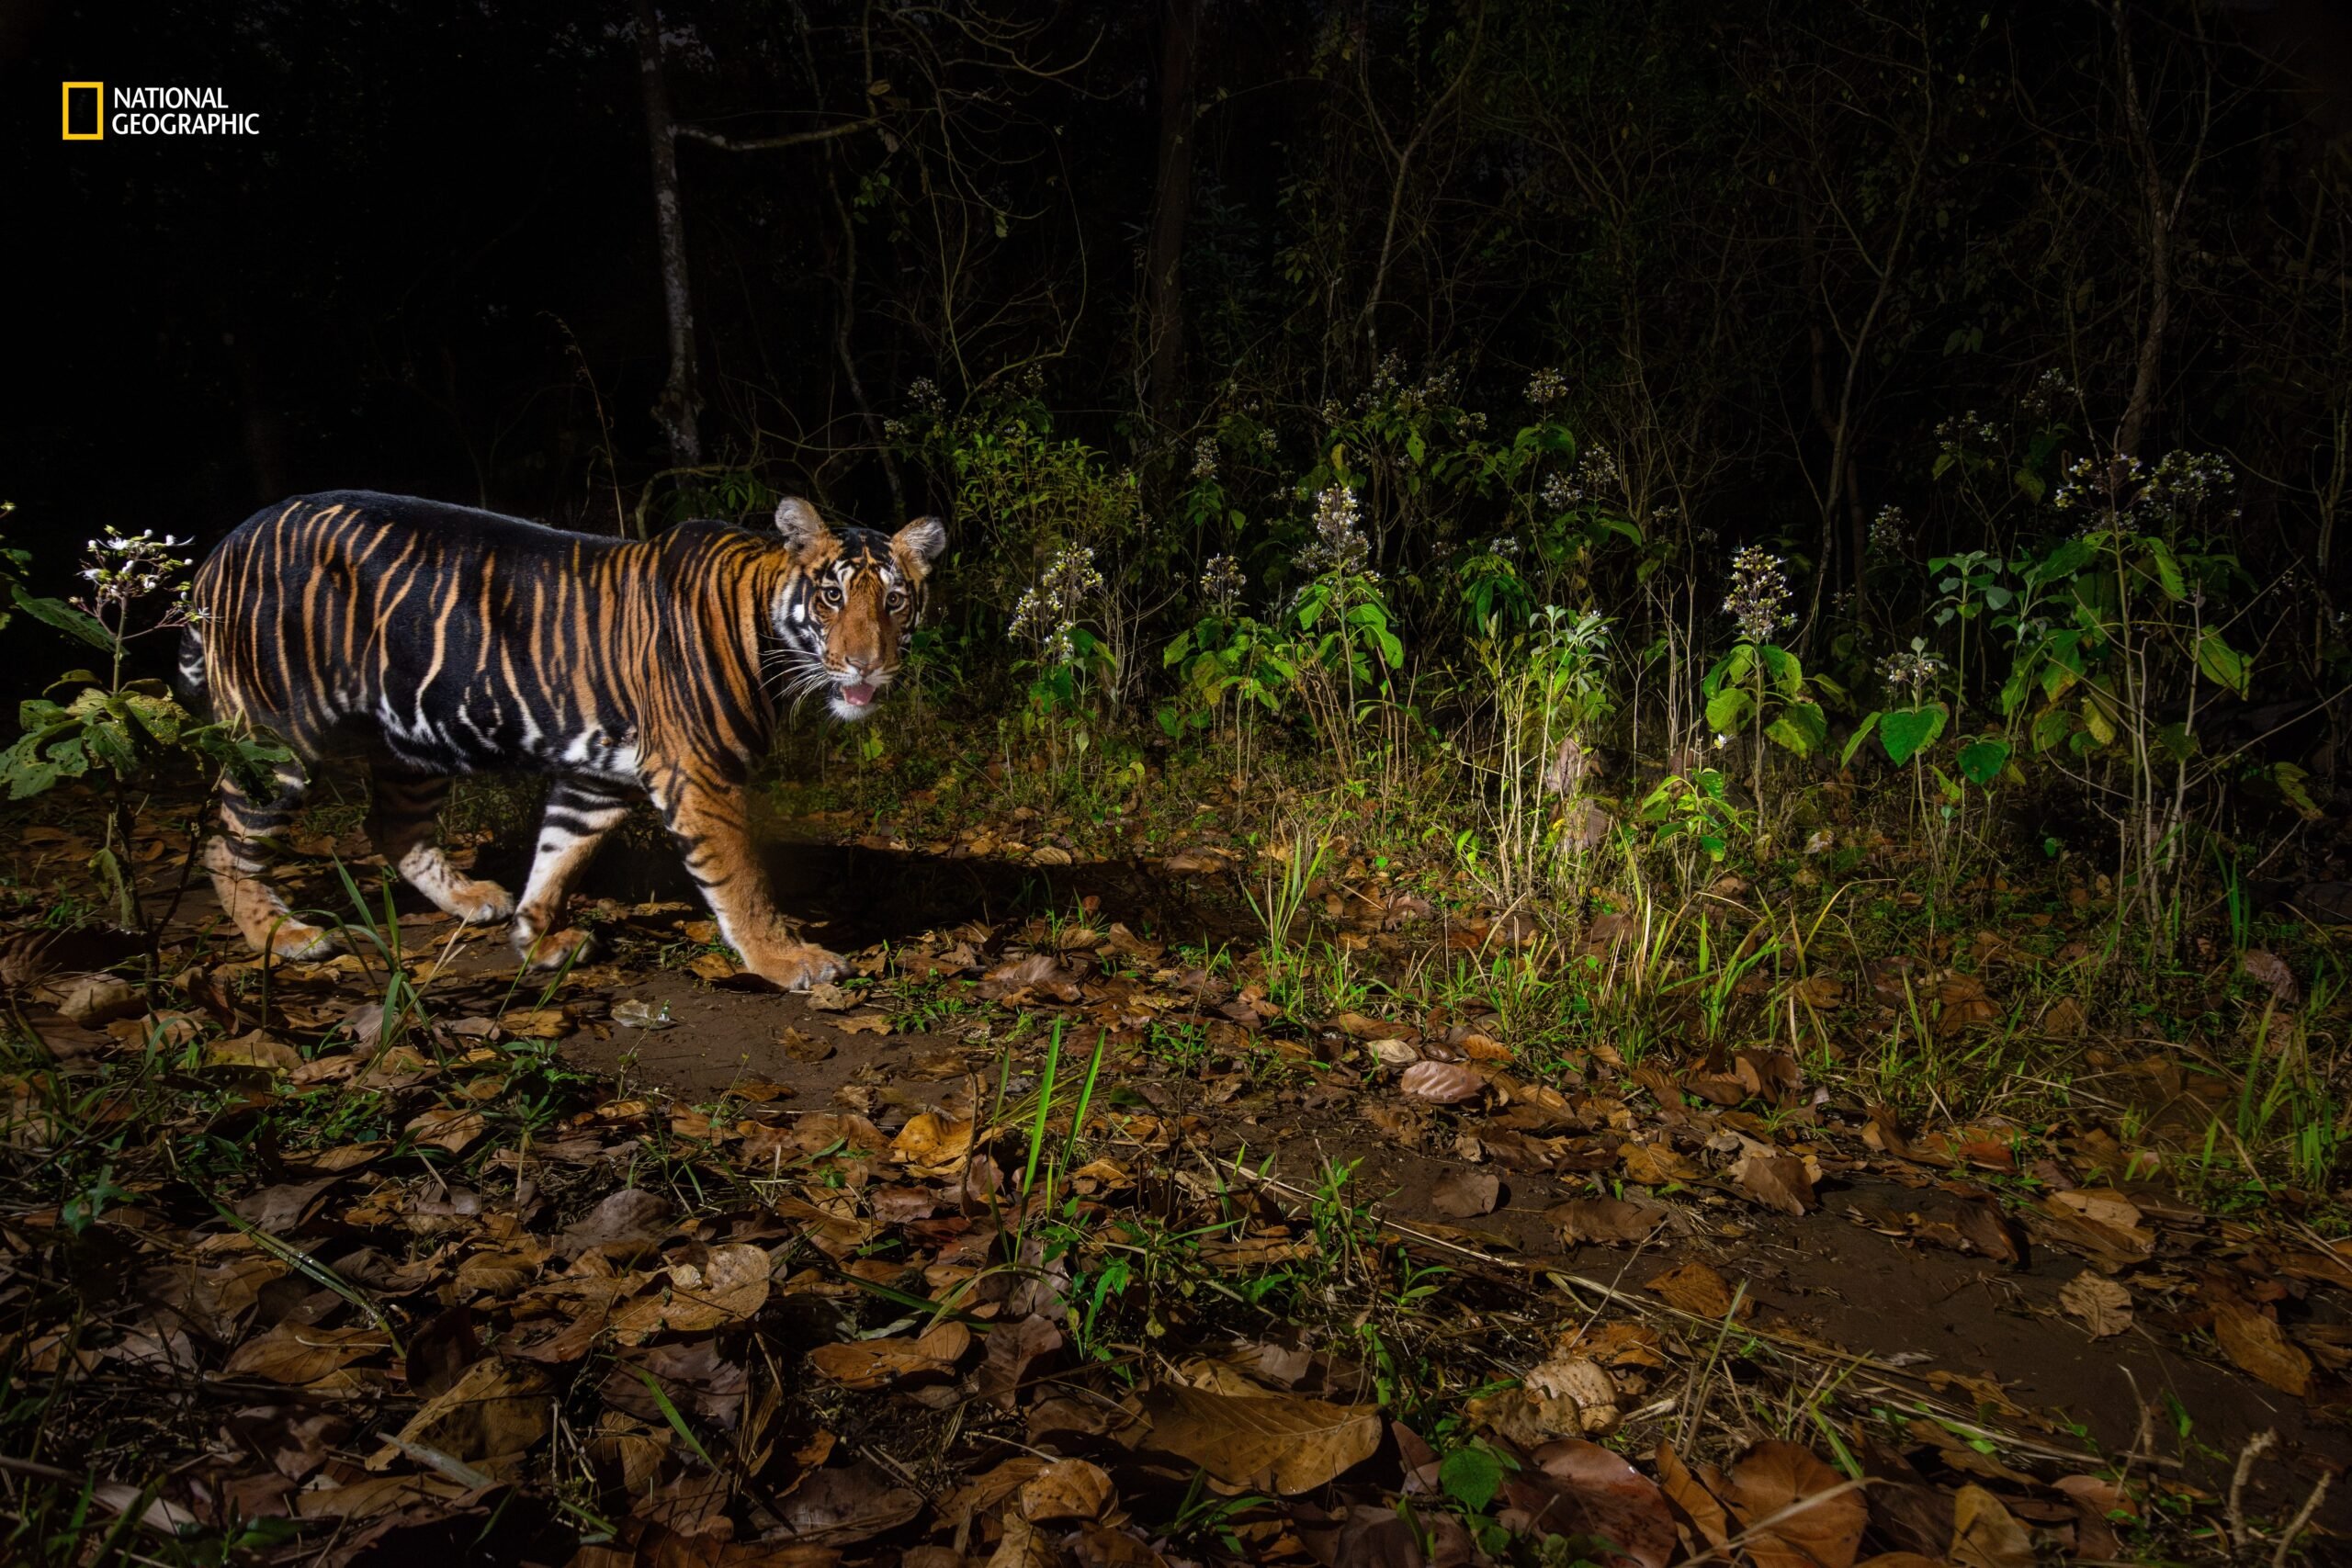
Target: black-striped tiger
{"x": 439, "y": 640}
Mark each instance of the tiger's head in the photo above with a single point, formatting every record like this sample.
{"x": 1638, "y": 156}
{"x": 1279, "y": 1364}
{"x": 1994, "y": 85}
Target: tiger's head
{"x": 848, "y": 609}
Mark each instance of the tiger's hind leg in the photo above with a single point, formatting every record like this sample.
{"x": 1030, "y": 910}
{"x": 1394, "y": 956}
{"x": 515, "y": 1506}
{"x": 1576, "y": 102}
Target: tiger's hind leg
{"x": 237, "y": 856}
{"x": 580, "y": 813}
{"x": 401, "y": 820}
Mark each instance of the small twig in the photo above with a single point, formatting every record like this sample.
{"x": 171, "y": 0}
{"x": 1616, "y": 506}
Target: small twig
{"x": 2255, "y": 1447}
{"x": 766, "y": 144}
{"x": 2303, "y": 1517}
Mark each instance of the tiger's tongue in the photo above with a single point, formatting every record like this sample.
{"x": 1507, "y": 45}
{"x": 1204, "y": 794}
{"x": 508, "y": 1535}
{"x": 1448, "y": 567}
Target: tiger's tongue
{"x": 858, "y": 695}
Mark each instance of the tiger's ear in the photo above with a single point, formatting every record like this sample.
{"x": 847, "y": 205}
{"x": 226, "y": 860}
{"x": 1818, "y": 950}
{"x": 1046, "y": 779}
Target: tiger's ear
{"x": 798, "y": 522}
{"x": 921, "y": 542}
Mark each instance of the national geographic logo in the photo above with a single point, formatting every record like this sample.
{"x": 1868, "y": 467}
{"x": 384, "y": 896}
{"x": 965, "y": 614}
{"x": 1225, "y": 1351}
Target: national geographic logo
{"x": 91, "y": 114}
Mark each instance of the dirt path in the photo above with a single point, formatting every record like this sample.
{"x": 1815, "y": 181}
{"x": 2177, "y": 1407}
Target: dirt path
{"x": 1738, "y": 1261}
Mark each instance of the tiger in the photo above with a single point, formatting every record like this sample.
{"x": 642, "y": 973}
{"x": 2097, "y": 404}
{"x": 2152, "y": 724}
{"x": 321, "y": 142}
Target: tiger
{"x": 434, "y": 640}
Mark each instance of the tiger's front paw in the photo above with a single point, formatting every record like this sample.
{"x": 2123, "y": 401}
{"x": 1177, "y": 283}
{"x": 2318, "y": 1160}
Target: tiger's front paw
{"x": 553, "y": 949}
{"x": 292, "y": 939}
{"x": 480, "y": 903}
{"x": 798, "y": 966}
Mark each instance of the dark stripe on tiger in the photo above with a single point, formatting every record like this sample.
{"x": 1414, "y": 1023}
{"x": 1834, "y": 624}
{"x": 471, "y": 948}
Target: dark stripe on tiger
{"x": 442, "y": 640}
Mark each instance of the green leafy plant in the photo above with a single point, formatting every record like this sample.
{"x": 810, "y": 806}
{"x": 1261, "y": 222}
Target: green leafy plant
{"x": 1760, "y": 685}
{"x": 1692, "y": 816}
{"x": 1225, "y": 656}
{"x": 1342, "y": 648}
{"x": 122, "y": 733}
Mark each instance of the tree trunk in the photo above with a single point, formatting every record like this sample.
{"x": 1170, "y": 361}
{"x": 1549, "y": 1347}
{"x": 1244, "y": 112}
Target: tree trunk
{"x": 681, "y": 403}
{"x": 1180, "y": 38}
{"x": 2152, "y": 195}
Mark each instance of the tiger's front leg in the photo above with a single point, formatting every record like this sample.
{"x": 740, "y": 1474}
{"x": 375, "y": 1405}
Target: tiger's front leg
{"x": 402, "y": 823}
{"x": 714, "y": 832}
{"x": 580, "y": 813}
{"x": 237, "y": 858}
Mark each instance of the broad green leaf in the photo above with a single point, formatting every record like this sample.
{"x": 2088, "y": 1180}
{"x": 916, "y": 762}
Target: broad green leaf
{"x": 1731, "y": 668}
{"x": 1727, "y": 710}
{"x": 2064, "y": 561}
{"x": 1904, "y": 731}
{"x": 1802, "y": 727}
{"x": 2221, "y": 663}
{"x": 1471, "y": 1476}
{"x": 67, "y": 619}
{"x": 1780, "y": 667}
{"x": 2294, "y": 784}
{"x": 2051, "y": 726}
{"x": 1981, "y": 762}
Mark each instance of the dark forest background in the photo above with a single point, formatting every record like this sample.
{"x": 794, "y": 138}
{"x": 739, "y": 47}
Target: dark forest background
{"x": 1775, "y": 250}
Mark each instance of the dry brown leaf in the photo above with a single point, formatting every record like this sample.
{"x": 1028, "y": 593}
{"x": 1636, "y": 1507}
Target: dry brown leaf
{"x": 1442, "y": 1083}
{"x": 842, "y": 1505}
{"x": 300, "y": 1352}
{"x": 374, "y": 1494}
{"x": 1612, "y": 1501}
{"x": 2064, "y": 1019}
{"x": 1192, "y": 862}
{"x": 626, "y": 1224}
{"x": 1565, "y": 1397}
{"x": 1280, "y": 1443}
{"x": 931, "y": 1145}
{"x": 1986, "y": 1535}
{"x": 2102, "y": 1204}
{"x": 540, "y": 1023}
{"x": 447, "y": 1127}
{"x": 1465, "y": 1194}
{"x": 1699, "y": 1507}
{"x": 2255, "y": 1341}
{"x": 878, "y": 1363}
{"x": 1820, "y": 992}
{"x": 728, "y": 1285}
{"x": 1066, "y": 1489}
{"x": 1825, "y": 1531}
{"x": 1696, "y": 1289}
{"x": 827, "y": 997}
{"x": 494, "y": 1408}
{"x": 2104, "y": 1306}
{"x": 253, "y": 1050}
{"x": 864, "y": 1023}
{"x": 1655, "y": 1165}
{"x": 1777, "y": 1181}
{"x": 1609, "y": 1221}
{"x": 1013, "y": 1351}
{"x": 800, "y": 1047}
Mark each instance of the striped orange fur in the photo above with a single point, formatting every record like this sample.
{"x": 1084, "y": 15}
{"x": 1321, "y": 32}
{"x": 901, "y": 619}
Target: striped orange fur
{"x": 438, "y": 640}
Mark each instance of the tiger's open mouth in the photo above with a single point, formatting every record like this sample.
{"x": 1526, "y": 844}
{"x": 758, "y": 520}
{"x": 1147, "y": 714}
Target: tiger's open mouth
{"x": 855, "y": 699}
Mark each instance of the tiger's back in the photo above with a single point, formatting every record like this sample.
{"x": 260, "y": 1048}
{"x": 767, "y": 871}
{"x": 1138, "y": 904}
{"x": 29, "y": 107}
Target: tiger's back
{"x": 438, "y": 640}
{"x": 464, "y": 641}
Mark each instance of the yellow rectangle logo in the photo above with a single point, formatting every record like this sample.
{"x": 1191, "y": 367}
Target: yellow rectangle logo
{"x": 85, "y": 111}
